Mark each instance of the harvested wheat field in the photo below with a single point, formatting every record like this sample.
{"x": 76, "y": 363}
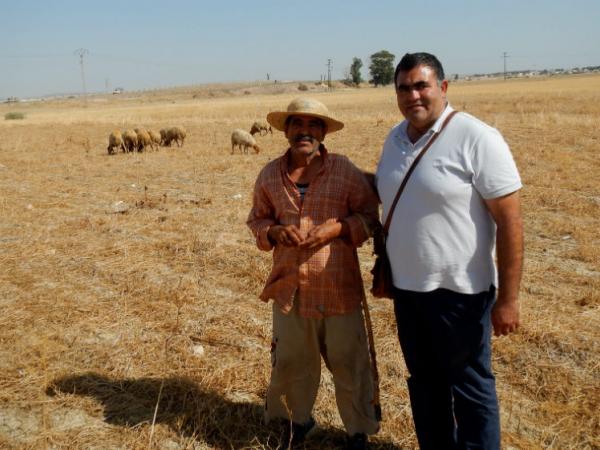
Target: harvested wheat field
{"x": 129, "y": 283}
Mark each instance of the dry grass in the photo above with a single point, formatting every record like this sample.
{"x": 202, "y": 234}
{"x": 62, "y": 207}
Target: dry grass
{"x": 103, "y": 311}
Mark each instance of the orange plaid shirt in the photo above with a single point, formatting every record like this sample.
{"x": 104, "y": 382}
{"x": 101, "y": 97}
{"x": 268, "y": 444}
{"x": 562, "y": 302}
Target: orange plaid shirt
{"x": 325, "y": 281}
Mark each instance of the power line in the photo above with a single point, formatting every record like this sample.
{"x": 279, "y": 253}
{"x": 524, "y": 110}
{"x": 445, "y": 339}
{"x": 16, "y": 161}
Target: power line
{"x": 33, "y": 56}
{"x": 138, "y": 61}
{"x": 101, "y": 56}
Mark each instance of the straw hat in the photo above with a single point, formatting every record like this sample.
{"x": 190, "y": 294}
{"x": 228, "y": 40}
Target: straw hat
{"x": 304, "y": 106}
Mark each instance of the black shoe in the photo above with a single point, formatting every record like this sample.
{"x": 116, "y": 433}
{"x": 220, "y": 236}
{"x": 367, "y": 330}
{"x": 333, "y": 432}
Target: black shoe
{"x": 299, "y": 432}
{"x": 357, "y": 441}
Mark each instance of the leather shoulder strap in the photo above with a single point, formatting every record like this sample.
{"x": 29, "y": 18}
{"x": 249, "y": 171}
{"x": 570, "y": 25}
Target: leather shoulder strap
{"x": 388, "y": 219}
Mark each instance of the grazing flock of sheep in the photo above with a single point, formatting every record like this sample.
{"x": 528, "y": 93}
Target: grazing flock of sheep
{"x": 139, "y": 139}
{"x": 245, "y": 140}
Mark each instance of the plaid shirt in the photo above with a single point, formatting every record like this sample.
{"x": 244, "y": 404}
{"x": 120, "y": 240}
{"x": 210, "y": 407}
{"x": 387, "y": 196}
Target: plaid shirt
{"x": 326, "y": 281}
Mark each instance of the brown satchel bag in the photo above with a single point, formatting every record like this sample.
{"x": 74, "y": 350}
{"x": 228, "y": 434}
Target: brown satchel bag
{"x": 382, "y": 270}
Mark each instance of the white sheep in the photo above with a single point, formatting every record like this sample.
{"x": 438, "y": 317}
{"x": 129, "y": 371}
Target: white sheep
{"x": 243, "y": 140}
{"x": 130, "y": 140}
{"x": 176, "y": 134}
{"x": 115, "y": 140}
{"x": 143, "y": 140}
{"x": 259, "y": 126}
{"x": 163, "y": 137}
{"x": 155, "y": 136}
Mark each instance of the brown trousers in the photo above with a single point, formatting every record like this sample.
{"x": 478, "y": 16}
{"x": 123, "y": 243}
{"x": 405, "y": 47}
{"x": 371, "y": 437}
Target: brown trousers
{"x": 297, "y": 346}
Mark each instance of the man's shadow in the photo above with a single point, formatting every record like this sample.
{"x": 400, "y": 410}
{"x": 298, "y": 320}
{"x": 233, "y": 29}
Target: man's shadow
{"x": 187, "y": 409}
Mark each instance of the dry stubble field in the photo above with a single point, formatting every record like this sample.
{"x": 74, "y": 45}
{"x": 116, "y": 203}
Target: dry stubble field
{"x": 104, "y": 314}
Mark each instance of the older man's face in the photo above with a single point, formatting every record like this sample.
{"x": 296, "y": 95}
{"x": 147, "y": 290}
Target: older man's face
{"x": 305, "y": 133}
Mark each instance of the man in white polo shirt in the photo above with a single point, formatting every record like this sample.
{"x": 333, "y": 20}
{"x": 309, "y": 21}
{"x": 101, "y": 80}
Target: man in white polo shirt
{"x": 458, "y": 210}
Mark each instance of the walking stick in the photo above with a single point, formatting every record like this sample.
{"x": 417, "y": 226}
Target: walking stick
{"x": 375, "y": 372}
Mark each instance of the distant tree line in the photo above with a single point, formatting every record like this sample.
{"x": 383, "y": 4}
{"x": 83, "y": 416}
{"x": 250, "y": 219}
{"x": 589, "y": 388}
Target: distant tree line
{"x": 381, "y": 69}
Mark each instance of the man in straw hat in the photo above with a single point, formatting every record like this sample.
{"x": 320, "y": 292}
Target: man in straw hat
{"x": 314, "y": 208}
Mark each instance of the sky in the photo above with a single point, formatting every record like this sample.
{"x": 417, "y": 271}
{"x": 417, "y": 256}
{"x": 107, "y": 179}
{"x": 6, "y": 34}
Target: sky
{"x": 147, "y": 45}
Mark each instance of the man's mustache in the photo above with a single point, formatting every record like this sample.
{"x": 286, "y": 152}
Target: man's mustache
{"x": 304, "y": 137}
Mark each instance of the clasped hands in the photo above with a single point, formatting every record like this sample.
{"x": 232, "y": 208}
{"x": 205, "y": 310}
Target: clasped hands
{"x": 292, "y": 236}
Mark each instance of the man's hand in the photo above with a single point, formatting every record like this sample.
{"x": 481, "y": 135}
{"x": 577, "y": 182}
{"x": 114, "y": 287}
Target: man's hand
{"x": 320, "y": 235}
{"x": 505, "y": 317}
{"x": 287, "y": 235}
{"x": 323, "y": 234}
{"x": 506, "y": 212}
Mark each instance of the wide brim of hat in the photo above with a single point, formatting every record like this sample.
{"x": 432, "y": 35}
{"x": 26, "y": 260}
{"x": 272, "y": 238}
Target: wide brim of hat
{"x": 277, "y": 120}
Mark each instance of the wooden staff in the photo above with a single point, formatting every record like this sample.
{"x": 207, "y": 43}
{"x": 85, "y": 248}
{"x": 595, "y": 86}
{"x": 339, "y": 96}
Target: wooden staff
{"x": 375, "y": 372}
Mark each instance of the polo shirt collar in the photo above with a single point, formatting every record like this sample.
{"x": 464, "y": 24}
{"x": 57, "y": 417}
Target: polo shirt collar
{"x": 438, "y": 123}
{"x": 403, "y": 129}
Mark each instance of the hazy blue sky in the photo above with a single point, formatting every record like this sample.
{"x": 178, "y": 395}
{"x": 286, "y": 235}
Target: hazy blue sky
{"x": 143, "y": 44}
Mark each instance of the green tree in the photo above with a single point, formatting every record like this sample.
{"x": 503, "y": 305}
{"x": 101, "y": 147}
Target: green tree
{"x": 355, "y": 71}
{"x": 382, "y": 68}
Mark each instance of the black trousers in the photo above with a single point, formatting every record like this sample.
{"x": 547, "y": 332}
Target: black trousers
{"x": 446, "y": 341}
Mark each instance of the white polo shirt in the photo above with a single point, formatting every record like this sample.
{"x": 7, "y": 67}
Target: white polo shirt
{"x": 441, "y": 234}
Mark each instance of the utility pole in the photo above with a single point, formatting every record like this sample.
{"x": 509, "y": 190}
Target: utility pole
{"x": 505, "y": 55}
{"x": 81, "y": 52}
{"x": 329, "y": 65}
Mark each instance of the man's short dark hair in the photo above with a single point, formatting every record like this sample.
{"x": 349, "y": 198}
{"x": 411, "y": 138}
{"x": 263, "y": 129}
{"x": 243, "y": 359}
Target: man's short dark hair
{"x": 412, "y": 60}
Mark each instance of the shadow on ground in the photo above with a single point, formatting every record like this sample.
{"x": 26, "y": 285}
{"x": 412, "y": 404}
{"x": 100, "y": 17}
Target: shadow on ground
{"x": 189, "y": 410}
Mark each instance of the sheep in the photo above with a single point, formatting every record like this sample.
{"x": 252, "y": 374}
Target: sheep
{"x": 176, "y": 134}
{"x": 259, "y": 126}
{"x": 243, "y": 140}
{"x": 163, "y": 137}
{"x": 156, "y": 137}
{"x": 130, "y": 140}
{"x": 115, "y": 140}
{"x": 144, "y": 140}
